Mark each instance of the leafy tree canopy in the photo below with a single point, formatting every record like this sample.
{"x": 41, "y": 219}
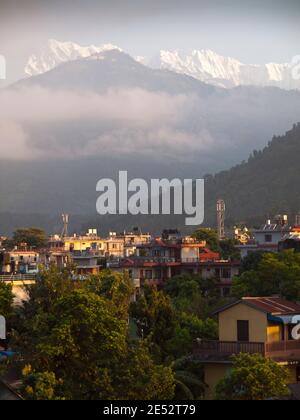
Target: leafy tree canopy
{"x": 275, "y": 274}
{"x": 33, "y": 237}
{"x": 253, "y": 377}
{"x": 75, "y": 343}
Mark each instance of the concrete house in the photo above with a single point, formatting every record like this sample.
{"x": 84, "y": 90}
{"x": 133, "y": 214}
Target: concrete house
{"x": 263, "y": 325}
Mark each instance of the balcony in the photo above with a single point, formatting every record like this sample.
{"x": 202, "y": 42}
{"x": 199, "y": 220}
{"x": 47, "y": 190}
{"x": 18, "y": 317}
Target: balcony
{"x": 281, "y": 351}
{"x": 223, "y": 350}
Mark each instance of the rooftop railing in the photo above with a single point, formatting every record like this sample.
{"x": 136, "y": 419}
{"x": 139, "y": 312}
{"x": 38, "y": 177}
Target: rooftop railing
{"x": 17, "y": 277}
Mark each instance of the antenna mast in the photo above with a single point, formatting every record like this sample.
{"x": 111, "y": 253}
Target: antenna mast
{"x": 65, "y": 218}
{"x": 221, "y": 219}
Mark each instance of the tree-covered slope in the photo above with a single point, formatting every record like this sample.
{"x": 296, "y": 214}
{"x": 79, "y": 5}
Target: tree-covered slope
{"x": 268, "y": 183}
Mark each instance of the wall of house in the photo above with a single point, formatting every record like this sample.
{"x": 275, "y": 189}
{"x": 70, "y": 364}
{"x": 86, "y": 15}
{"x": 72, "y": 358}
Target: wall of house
{"x": 189, "y": 253}
{"x": 276, "y": 237}
{"x": 257, "y": 323}
{"x": 83, "y": 244}
{"x": 213, "y": 373}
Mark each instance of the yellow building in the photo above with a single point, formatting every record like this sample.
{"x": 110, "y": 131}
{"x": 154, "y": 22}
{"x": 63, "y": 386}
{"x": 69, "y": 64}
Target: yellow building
{"x": 84, "y": 243}
{"x": 115, "y": 246}
{"x": 256, "y": 326}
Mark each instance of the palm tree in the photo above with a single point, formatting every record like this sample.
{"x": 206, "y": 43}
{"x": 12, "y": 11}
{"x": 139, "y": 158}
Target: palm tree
{"x": 189, "y": 382}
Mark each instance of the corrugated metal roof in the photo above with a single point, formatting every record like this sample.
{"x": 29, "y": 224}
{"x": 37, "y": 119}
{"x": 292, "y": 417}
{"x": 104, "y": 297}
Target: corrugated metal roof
{"x": 269, "y": 305}
{"x": 273, "y": 305}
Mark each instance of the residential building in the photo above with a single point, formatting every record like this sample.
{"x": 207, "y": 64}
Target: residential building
{"x": 257, "y": 325}
{"x": 291, "y": 240}
{"x": 161, "y": 259}
{"x": 21, "y": 261}
{"x": 87, "y": 262}
{"x": 267, "y": 237}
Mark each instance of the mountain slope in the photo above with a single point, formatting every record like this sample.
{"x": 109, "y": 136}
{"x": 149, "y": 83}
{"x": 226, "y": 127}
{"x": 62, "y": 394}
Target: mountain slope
{"x": 265, "y": 185}
{"x": 110, "y": 98}
{"x": 87, "y": 119}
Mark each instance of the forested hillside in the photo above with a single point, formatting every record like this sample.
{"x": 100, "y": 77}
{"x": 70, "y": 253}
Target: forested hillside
{"x": 266, "y": 184}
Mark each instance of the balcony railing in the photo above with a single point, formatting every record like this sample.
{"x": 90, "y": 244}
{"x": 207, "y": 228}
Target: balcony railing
{"x": 17, "y": 277}
{"x": 225, "y": 349}
{"x": 278, "y": 351}
{"x": 284, "y": 350}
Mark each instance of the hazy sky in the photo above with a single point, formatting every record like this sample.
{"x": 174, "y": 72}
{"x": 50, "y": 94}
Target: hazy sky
{"x": 254, "y": 31}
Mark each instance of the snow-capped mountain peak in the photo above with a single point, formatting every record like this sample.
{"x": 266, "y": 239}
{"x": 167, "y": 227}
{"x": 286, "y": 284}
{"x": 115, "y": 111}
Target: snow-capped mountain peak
{"x": 57, "y": 52}
{"x": 210, "y": 67}
{"x": 204, "y": 65}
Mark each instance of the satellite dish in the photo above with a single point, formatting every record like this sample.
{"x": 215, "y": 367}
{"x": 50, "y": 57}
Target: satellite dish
{"x": 2, "y": 328}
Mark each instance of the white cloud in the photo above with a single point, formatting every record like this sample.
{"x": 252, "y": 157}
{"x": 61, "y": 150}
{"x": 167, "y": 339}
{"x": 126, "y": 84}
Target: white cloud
{"x": 37, "y": 123}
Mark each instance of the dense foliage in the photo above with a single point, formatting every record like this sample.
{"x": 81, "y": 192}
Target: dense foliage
{"x": 226, "y": 248}
{"x": 33, "y": 237}
{"x": 6, "y": 300}
{"x": 253, "y": 377}
{"x": 75, "y": 343}
{"x": 265, "y": 184}
{"x": 271, "y": 274}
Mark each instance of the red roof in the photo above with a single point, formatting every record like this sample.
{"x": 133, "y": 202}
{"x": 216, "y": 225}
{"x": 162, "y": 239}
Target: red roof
{"x": 273, "y": 305}
{"x": 207, "y": 254}
{"x": 269, "y": 305}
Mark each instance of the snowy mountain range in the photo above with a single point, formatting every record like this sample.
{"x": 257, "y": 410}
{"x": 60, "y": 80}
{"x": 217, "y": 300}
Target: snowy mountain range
{"x": 56, "y": 53}
{"x": 204, "y": 65}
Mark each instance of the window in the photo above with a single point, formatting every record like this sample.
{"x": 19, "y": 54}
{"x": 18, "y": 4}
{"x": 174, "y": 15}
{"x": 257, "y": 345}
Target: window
{"x": 243, "y": 331}
{"x": 148, "y": 274}
{"x": 226, "y": 273}
{"x": 268, "y": 238}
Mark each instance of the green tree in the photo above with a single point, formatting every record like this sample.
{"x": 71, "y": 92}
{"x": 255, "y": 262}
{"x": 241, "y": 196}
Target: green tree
{"x": 189, "y": 328}
{"x": 210, "y": 236}
{"x": 6, "y": 300}
{"x": 275, "y": 274}
{"x": 33, "y": 237}
{"x": 40, "y": 386}
{"x": 77, "y": 345}
{"x": 252, "y": 261}
{"x": 195, "y": 295}
{"x": 229, "y": 250}
{"x": 253, "y": 377}
{"x": 116, "y": 287}
{"x": 189, "y": 379}
{"x": 137, "y": 377}
{"x": 50, "y": 287}
{"x": 155, "y": 318}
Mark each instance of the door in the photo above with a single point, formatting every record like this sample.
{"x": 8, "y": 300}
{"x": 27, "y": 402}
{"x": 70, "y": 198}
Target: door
{"x": 243, "y": 331}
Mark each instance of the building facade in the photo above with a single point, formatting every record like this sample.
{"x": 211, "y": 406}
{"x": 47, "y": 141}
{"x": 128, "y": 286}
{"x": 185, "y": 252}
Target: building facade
{"x": 255, "y": 326}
